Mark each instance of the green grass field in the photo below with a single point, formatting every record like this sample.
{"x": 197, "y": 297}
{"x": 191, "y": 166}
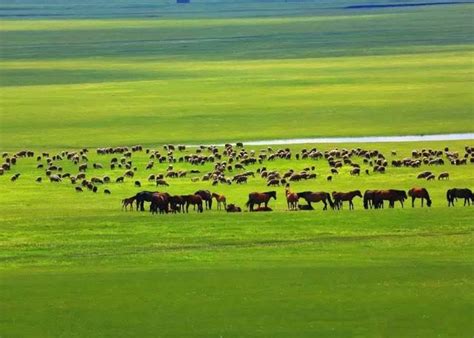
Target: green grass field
{"x": 89, "y": 73}
{"x": 93, "y": 82}
{"x": 87, "y": 268}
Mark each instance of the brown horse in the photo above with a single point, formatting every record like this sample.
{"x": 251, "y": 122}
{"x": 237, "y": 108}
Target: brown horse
{"x": 127, "y": 202}
{"x": 391, "y": 195}
{"x": 422, "y": 193}
{"x": 206, "y": 197}
{"x": 195, "y": 200}
{"x": 340, "y": 197}
{"x": 259, "y": 198}
{"x": 453, "y": 194}
{"x": 159, "y": 203}
{"x": 321, "y": 196}
{"x": 291, "y": 199}
{"x": 220, "y": 199}
{"x": 177, "y": 203}
{"x": 233, "y": 208}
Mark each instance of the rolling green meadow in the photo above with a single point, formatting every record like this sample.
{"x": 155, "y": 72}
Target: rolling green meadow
{"x": 94, "y": 74}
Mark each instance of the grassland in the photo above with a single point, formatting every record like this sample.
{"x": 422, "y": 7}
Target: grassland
{"x": 87, "y": 268}
{"x": 79, "y": 74}
{"x": 91, "y": 82}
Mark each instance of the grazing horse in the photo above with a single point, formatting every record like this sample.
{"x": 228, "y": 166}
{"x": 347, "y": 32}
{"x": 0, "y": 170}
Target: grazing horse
{"x": 159, "y": 203}
{"x": 177, "y": 203}
{"x": 453, "y": 194}
{"x": 291, "y": 199}
{"x": 368, "y": 198}
{"x": 340, "y": 197}
{"x": 142, "y": 197}
{"x": 259, "y": 198}
{"x": 320, "y": 196}
{"x": 126, "y": 202}
{"x": 193, "y": 200}
{"x": 390, "y": 195}
{"x": 220, "y": 199}
{"x": 206, "y": 197}
{"x": 422, "y": 193}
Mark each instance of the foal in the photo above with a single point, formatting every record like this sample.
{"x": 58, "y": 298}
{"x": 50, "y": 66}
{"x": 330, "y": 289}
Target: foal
{"x": 291, "y": 198}
{"x": 220, "y": 199}
{"x": 128, "y": 202}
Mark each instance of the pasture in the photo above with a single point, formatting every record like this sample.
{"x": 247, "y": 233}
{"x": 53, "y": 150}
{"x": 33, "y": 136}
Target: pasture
{"x": 77, "y": 74}
{"x": 86, "y": 266}
{"x": 128, "y": 80}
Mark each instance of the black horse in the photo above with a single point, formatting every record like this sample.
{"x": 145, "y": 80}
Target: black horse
{"x": 142, "y": 197}
{"x": 453, "y": 194}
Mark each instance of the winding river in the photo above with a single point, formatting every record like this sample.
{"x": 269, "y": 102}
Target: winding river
{"x": 361, "y": 139}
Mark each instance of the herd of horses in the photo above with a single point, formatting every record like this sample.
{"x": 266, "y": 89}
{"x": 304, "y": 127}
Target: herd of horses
{"x": 163, "y": 202}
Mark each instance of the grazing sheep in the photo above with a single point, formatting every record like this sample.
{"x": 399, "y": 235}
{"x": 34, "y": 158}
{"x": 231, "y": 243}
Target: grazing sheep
{"x": 443, "y": 176}
{"x": 161, "y": 182}
{"x": 274, "y": 182}
{"x": 329, "y": 178}
{"x": 38, "y": 180}
{"x": 107, "y": 191}
{"x": 79, "y": 189}
{"x": 355, "y": 172}
{"x": 15, "y": 177}
{"x": 119, "y": 179}
{"x": 54, "y": 178}
{"x": 138, "y": 184}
